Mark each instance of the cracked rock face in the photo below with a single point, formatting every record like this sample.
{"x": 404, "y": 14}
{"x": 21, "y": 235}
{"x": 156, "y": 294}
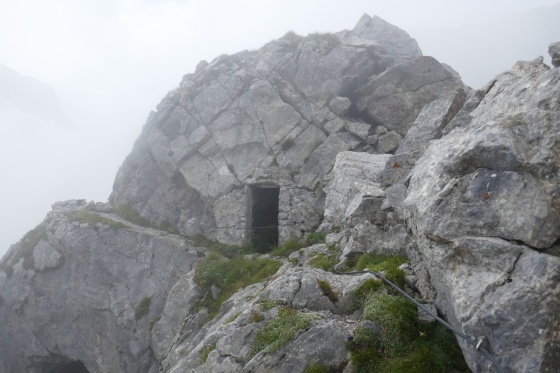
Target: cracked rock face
{"x": 483, "y": 204}
{"x": 78, "y": 299}
{"x": 276, "y": 117}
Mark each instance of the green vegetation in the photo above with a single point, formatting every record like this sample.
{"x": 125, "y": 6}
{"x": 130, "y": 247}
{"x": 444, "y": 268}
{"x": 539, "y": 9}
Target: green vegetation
{"x": 229, "y": 251}
{"x": 316, "y": 368}
{"x": 233, "y": 317}
{"x": 332, "y": 40}
{"x": 256, "y": 317}
{"x": 314, "y": 238}
{"x": 230, "y": 276}
{"x": 403, "y": 343}
{"x": 205, "y": 352}
{"x": 266, "y": 305}
{"x": 89, "y": 217}
{"x": 327, "y": 290}
{"x": 132, "y": 215}
{"x": 279, "y": 331}
{"x": 389, "y": 264}
{"x": 25, "y": 251}
{"x": 288, "y": 248}
{"x": 142, "y": 308}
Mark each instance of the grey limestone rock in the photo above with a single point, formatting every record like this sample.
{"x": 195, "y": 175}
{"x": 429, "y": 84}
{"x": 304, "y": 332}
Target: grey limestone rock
{"x": 83, "y": 292}
{"x": 395, "y": 97}
{"x": 554, "y": 51}
{"x": 482, "y": 204}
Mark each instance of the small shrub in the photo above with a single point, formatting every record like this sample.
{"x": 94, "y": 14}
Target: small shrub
{"x": 279, "y": 331}
{"x": 327, "y": 290}
{"x": 142, "y": 308}
{"x": 256, "y": 317}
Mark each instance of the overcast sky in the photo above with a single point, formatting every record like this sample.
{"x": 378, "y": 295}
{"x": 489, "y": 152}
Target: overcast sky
{"x": 111, "y": 61}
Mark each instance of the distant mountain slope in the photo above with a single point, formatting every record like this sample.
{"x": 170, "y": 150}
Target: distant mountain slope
{"x": 482, "y": 50}
{"x": 22, "y": 97}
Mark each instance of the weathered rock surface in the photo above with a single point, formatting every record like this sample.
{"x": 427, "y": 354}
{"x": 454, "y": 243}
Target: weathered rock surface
{"x": 74, "y": 295}
{"x": 483, "y": 204}
{"x": 275, "y": 117}
{"x": 554, "y": 51}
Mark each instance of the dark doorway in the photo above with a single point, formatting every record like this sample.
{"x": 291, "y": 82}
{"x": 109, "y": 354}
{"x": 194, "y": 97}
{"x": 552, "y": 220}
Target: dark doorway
{"x": 264, "y": 224}
{"x": 72, "y": 367}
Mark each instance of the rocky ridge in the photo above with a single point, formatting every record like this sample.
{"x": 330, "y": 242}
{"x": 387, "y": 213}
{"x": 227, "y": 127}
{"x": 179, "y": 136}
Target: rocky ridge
{"x": 465, "y": 185}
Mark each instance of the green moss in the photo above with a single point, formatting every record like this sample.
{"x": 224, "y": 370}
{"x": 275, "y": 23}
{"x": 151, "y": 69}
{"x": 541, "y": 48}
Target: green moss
{"x": 327, "y": 290}
{"x": 279, "y": 331}
{"x": 142, "y": 308}
{"x": 205, "y": 352}
{"x": 230, "y": 276}
{"x": 92, "y": 218}
{"x": 317, "y": 368}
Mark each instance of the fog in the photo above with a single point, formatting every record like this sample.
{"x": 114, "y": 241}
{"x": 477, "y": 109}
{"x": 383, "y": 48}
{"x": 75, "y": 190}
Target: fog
{"x": 91, "y": 71}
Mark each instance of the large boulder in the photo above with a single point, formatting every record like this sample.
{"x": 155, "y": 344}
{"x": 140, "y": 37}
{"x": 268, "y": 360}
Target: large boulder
{"x": 483, "y": 204}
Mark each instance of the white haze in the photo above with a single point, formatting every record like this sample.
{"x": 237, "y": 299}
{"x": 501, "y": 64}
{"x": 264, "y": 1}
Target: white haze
{"x": 111, "y": 61}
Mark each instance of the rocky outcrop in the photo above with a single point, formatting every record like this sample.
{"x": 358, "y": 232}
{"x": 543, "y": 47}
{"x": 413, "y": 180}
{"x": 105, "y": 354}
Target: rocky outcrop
{"x": 483, "y": 206}
{"x": 86, "y": 286}
{"x": 276, "y": 117}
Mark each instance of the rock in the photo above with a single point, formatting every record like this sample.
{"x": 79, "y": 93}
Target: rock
{"x": 482, "y": 203}
{"x": 395, "y": 97}
{"x": 433, "y": 118}
{"x": 46, "y": 256}
{"x": 423, "y": 316}
{"x": 340, "y": 105}
{"x": 388, "y": 142}
{"x": 554, "y": 51}
{"x": 354, "y": 183}
{"x": 91, "y": 272}
{"x": 269, "y": 117}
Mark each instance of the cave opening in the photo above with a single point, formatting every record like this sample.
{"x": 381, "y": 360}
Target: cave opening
{"x": 264, "y": 218}
{"x": 69, "y": 367}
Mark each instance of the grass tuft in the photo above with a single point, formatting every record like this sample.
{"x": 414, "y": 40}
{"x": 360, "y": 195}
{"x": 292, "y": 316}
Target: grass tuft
{"x": 92, "y": 218}
{"x": 279, "y": 331}
{"x": 327, "y": 290}
{"x": 230, "y": 276}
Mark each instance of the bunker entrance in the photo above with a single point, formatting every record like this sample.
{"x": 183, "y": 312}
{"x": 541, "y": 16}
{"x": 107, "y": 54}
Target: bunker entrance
{"x": 264, "y": 221}
{"x": 71, "y": 367}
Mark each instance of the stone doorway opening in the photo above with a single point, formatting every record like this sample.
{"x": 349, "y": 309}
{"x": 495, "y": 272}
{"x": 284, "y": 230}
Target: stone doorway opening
{"x": 264, "y": 217}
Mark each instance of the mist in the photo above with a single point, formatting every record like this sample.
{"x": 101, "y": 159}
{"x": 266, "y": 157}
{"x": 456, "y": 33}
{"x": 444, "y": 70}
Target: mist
{"x": 77, "y": 82}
